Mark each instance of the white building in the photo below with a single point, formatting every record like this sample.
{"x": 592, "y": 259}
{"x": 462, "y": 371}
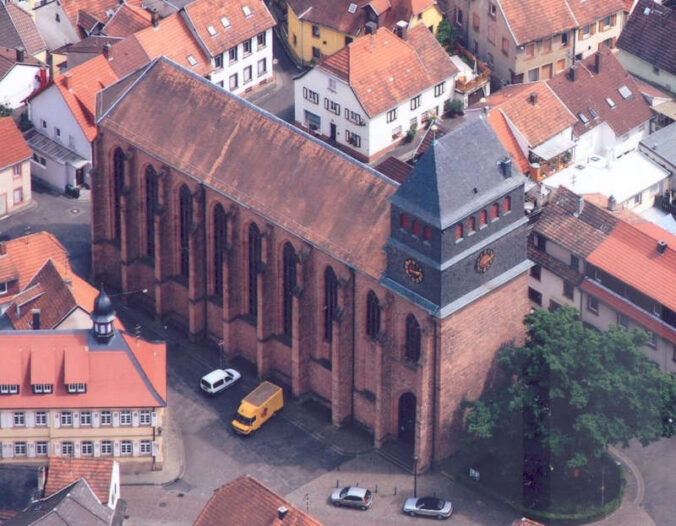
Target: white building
{"x": 367, "y": 96}
{"x": 236, "y": 36}
{"x": 63, "y": 117}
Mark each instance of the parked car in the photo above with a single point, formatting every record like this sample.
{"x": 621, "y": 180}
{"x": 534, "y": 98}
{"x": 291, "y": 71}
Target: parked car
{"x": 218, "y": 379}
{"x": 259, "y": 406}
{"x": 428, "y": 507}
{"x": 352, "y": 496}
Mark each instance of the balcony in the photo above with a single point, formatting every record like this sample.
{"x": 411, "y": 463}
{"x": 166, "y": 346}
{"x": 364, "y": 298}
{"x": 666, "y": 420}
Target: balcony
{"x": 469, "y": 80}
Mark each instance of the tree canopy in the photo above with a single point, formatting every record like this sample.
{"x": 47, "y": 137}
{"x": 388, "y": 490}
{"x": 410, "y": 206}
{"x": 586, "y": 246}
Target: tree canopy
{"x": 570, "y": 391}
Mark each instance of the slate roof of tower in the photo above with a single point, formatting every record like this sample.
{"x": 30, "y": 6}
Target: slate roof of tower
{"x": 457, "y": 175}
{"x": 307, "y": 188}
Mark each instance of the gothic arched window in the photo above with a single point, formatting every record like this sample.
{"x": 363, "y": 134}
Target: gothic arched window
{"x": 118, "y": 184}
{"x": 288, "y": 286}
{"x": 330, "y": 302}
{"x": 185, "y": 224}
{"x": 151, "y": 209}
{"x": 254, "y": 263}
{"x": 412, "y": 339}
{"x": 372, "y": 315}
{"x": 220, "y": 240}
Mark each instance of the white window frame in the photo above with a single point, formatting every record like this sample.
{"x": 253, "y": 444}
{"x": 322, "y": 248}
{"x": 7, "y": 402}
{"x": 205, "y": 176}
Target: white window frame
{"x": 41, "y": 448}
{"x": 19, "y": 419}
{"x": 41, "y": 418}
{"x": 66, "y": 418}
{"x": 146, "y": 447}
{"x": 87, "y": 448}
{"x": 85, "y": 418}
{"x": 106, "y": 448}
{"x": 106, "y": 418}
{"x": 145, "y": 417}
{"x": 126, "y": 448}
{"x": 67, "y": 445}
{"x": 19, "y": 449}
{"x": 125, "y": 417}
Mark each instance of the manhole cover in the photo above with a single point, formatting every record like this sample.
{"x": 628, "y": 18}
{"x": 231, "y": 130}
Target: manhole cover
{"x": 74, "y": 210}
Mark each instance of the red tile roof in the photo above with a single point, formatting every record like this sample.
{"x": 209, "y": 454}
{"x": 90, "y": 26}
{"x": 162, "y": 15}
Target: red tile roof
{"x": 14, "y": 148}
{"x": 126, "y": 56}
{"x": 592, "y": 88}
{"x": 353, "y": 228}
{"x": 623, "y": 306}
{"x": 332, "y": 13}
{"x": 116, "y": 379}
{"x": 126, "y": 21}
{"x": 383, "y": 70}
{"x": 17, "y": 29}
{"x": 631, "y": 256}
{"x": 497, "y": 121}
{"x": 27, "y": 254}
{"x": 8, "y": 61}
{"x": 92, "y": 10}
{"x": 97, "y": 472}
{"x": 395, "y": 169}
{"x": 586, "y": 12}
{"x": 86, "y": 80}
{"x": 531, "y": 20}
{"x": 205, "y": 13}
{"x": 650, "y": 36}
{"x": 173, "y": 39}
{"x": 232, "y": 505}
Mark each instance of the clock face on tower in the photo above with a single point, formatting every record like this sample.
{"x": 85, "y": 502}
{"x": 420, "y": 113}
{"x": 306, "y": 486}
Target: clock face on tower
{"x": 413, "y": 270}
{"x": 485, "y": 260}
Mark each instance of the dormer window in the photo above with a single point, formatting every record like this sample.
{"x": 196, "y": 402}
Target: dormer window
{"x": 43, "y": 388}
{"x": 76, "y": 388}
{"x": 7, "y": 389}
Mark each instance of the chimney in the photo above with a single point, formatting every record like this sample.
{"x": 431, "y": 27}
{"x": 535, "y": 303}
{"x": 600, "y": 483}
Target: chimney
{"x": 572, "y": 73}
{"x": 36, "y": 319}
{"x": 106, "y": 50}
{"x": 597, "y": 62}
{"x": 580, "y": 205}
{"x": 155, "y": 17}
{"x": 533, "y": 98}
{"x": 661, "y": 246}
{"x": 370, "y": 28}
{"x": 401, "y": 29}
{"x": 3, "y": 248}
{"x": 612, "y": 203}
{"x": 281, "y": 512}
{"x": 506, "y": 167}
{"x": 69, "y": 82}
{"x": 20, "y": 54}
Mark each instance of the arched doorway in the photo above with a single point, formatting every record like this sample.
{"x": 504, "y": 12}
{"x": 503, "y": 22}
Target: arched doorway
{"x": 407, "y": 406}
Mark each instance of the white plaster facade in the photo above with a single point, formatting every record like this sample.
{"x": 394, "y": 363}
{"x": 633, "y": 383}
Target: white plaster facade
{"x": 376, "y": 134}
{"x": 15, "y": 187}
{"x": 601, "y": 140}
{"x": 18, "y": 84}
{"x": 647, "y": 71}
{"x": 52, "y": 117}
{"x": 261, "y": 55}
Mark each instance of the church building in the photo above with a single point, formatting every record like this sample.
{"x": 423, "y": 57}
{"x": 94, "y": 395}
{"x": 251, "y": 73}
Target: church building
{"x": 385, "y": 302}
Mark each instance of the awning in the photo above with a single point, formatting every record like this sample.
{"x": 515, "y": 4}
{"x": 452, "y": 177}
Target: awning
{"x": 553, "y": 147}
{"x": 667, "y": 108}
{"x": 56, "y": 152}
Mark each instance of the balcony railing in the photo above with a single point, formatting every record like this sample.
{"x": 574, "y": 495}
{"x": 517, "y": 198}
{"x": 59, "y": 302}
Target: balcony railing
{"x": 483, "y": 75}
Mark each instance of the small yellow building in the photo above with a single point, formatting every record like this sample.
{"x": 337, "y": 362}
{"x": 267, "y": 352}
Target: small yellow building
{"x": 317, "y": 28}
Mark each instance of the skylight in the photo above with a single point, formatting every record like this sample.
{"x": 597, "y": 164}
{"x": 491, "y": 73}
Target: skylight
{"x": 192, "y": 60}
{"x": 212, "y": 31}
{"x": 610, "y": 102}
{"x": 225, "y": 22}
{"x": 593, "y": 113}
{"x": 583, "y": 118}
{"x": 247, "y": 11}
{"x": 352, "y": 9}
{"x": 624, "y": 91}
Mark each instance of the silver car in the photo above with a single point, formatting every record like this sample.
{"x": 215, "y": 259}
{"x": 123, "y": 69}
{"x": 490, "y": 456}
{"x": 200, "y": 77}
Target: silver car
{"x": 352, "y": 496}
{"x": 428, "y": 507}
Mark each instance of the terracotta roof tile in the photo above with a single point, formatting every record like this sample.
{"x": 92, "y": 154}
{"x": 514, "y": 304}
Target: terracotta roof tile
{"x": 17, "y": 29}
{"x": 231, "y": 504}
{"x": 580, "y": 234}
{"x": 418, "y": 6}
{"x": 335, "y": 203}
{"x": 332, "y": 13}
{"x": 96, "y": 9}
{"x": 173, "y": 39}
{"x": 126, "y": 56}
{"x": 592, "y": 88}
{"x": 380, "y": 6}
{"x": 208, "y": 13}
{"x": 631, "y": 255}
{"x": 531, "y": 20}
{"x": 395, "y": 169}
{"x": 497, "y": 121}
{"x": 63, "y": 471}
{"x": 126, "y": 21}
{"x": 554, "y": 265}
{"x": 117, "y": 375}
{"x": 650, "y": 36}
{"x": 14, "y": 148}
{"x": 86, "y": 80}
{"x": 384, "y": 70}
{"x": 586, "y": 12}
{"x": 27, "y": 254}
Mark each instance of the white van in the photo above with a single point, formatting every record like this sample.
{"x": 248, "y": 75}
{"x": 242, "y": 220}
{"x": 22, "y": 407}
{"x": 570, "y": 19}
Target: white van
{"x": 218, "y": 379}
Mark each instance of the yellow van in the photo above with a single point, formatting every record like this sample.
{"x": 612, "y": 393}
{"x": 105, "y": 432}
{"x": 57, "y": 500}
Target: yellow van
{"x": 258, "y": 407}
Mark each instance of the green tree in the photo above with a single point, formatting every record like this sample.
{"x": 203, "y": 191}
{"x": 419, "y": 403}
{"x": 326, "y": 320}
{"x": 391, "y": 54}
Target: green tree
{"x": 569, "y": 393}
{"x": 5, "y": 111}
{"x": 446, "y": 34}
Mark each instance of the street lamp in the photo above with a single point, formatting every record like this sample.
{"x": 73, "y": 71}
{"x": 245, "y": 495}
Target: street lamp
{"x": 415, "y": 476}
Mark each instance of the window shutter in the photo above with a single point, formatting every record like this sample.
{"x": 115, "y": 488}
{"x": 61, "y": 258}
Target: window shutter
{"x": 153, "y": 419}
{"x": 305, "y": 93}
{"x": 613, "y": 20}
{"x": 30, "y": 419}
{"x": 96, "y": 419}
{"x": 116, "y": 419}
{"x": 7, "y": 450}
{"x": 76, "y": 449}
{"x": 116, "y": 448}
{"x": 156, "y": 448}
{"x": 76, "y": 419}
{"x": 326, "y": 103}
{"x": 57, "y": 419}
{"x": 57, "y": 449}
{"x": 97, "y": 449}
{"x": 3, "y": 419}
{"x": 134, "y": 419}
{"x": 593, "y": 28}
{"x": 135, "y": 448}
{"x": 580, "y": 34}
{"x": 30, "y": 449}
